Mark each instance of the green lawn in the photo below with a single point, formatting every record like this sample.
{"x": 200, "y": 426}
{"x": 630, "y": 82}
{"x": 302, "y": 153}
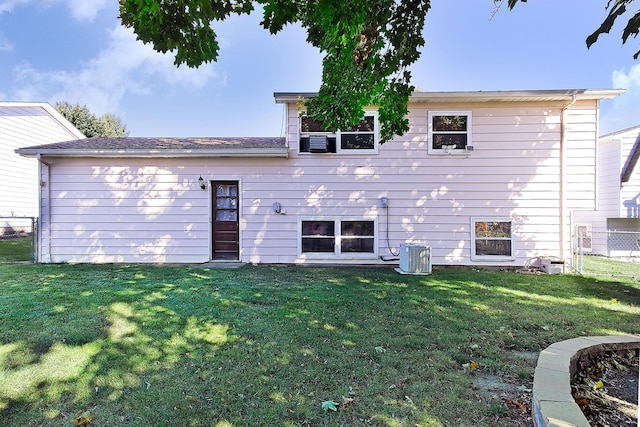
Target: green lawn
{"x": 16, "y": 249}
{"x": 266, "y": 346}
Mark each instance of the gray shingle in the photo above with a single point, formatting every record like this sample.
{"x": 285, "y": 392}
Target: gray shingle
{"x": 135, "y": 143}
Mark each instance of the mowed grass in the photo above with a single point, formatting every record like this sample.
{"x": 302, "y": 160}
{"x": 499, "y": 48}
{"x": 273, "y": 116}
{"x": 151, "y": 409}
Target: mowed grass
{"x": 607, "y": 268}
{"x": 16, "y": 249}
{"x": 266, "y": 346}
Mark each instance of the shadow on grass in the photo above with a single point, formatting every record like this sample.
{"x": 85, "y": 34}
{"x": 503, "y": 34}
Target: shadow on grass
{"x": 138, "y": 345}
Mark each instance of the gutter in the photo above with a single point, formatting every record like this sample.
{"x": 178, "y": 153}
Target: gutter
{"x": 484, "y": 96}
{"x": 251, "y": 152}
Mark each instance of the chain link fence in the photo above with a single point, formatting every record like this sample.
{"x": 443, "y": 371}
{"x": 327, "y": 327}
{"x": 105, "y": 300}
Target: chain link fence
{"x": 593, "y": 247}
{"x": 18, "y": 239}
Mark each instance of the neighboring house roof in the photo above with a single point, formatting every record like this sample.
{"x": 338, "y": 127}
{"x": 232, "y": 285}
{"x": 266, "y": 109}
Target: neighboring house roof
{"x": 33, "y": 109}
{"x": 634, "y": 155}
{"x": 162, "y": 147}
{"x": 486, "y": 96}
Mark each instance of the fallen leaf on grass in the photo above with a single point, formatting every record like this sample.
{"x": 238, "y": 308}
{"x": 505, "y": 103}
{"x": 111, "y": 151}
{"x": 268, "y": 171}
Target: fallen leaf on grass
{"x": 520, "y": 405}
{"x": 346, "y": 401}
{"x": 582, "y": 401}
{"x": 330, "y": 405}
{"x": 82, "y": 421}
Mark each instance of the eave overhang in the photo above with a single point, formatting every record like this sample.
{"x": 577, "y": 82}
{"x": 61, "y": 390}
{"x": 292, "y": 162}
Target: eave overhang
{"x": 162, "y": 147}
{"x": 484, "y": 96}
{"x": 246, "y": 153}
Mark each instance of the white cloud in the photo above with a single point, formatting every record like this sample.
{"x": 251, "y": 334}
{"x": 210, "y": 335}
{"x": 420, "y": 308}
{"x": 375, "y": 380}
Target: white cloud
{"x": 5, "y": 44}
{"x": 624, "y": 111}
{"x": 8, "y": 5}
{"x": 124, "y": 66}
{"x": 86, "y": 10}
{"x": 81, "y": 10}
{"x": 627, "y": 80}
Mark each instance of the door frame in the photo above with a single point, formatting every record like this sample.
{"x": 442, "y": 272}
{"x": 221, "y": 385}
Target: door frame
{"x": 211, "y": 183}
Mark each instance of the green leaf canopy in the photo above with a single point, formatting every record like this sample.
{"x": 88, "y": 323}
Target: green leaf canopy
{"x": 368, "y": 46}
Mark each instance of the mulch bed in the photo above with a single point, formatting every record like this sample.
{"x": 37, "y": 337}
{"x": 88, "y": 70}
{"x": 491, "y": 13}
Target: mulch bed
{"x": 606, "y": 388}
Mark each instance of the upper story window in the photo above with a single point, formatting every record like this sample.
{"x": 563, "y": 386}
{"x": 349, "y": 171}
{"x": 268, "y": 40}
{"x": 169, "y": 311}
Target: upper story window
{"x": 449, "y": 132}
{"x": 363, "y": 137}
{"x": 492, "y": 239}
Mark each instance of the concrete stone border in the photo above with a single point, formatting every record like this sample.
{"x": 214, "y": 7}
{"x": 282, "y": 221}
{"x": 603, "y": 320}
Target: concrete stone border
{"x": 552, "y": 402}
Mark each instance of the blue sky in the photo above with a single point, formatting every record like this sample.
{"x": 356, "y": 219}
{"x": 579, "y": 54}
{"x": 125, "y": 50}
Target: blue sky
{"x": 77, "y": 51}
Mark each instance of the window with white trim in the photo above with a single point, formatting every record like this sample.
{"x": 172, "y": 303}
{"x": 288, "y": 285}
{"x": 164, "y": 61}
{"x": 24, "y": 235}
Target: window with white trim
{"x": 449, "y": 132}
{"x": 363, "y": 137}
{"x": 491, "y": 239}
{"x": 338, "y": 237}
{"x": 584, "y": 236}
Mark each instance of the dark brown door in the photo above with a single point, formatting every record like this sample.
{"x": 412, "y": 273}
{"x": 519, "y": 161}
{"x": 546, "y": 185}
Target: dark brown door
{"x": 225, "y": 220}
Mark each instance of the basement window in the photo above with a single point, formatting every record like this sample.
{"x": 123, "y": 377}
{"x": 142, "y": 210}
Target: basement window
{"x": 338, "y": 237}
{"x": 492, "y": 239}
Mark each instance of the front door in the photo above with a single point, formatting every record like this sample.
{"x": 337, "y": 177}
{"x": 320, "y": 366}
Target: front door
{"x": 225, "y": 220}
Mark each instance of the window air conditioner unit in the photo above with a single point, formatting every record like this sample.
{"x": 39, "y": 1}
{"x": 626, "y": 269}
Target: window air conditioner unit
{"x": 414, "y": 259}
{"x": 584, "y": 236}
{"x": 318, "y": 144}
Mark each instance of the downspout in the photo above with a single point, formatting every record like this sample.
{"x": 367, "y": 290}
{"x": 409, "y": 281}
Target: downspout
{"x": 44, "y": 252}
{"x": 596, "y": 205}
{"x": 563, "y": 177}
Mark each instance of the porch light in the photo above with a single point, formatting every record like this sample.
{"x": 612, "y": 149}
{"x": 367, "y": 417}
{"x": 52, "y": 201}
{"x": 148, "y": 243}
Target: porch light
{"x": 201, "y": 181}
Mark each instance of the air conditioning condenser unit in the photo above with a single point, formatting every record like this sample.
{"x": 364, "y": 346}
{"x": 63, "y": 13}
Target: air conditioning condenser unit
{"x": 414, "y": 259}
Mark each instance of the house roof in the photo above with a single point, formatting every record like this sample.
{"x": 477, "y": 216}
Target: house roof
{"x": 12, "y": 109}
{"x": 633, "y": 159}
{"x": 632, "y": 130}
{"x": 485, "y": 96}
{"x": 162, "y": 147}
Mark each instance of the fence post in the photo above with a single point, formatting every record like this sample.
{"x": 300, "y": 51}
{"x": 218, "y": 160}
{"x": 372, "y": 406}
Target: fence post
{"x": 580, "y": 253}
{"x": 34, "y": 239}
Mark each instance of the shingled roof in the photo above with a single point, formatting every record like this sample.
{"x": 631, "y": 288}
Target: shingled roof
{"x": 162, "y": 147}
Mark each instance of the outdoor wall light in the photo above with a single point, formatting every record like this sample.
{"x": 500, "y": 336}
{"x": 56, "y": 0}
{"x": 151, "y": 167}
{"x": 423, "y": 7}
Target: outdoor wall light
{"x": 201, "y": 181}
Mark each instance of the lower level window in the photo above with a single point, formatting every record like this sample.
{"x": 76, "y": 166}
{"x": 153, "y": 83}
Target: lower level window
{"x": 492, "y": 238}
{"x": 346, "y": 237}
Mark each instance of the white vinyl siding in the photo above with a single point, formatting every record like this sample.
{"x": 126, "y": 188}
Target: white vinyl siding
{"x": 630, "y": 191}
{"x": 617, "y": 202}
{"x": 22, "y": 125}
{"x": 153, "y": 210}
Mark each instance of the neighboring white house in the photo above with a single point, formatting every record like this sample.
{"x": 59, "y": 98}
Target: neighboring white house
{"x": 613, "y": 228}
{"x": 23, "y": 124}
{"x": 482, "y": 178}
